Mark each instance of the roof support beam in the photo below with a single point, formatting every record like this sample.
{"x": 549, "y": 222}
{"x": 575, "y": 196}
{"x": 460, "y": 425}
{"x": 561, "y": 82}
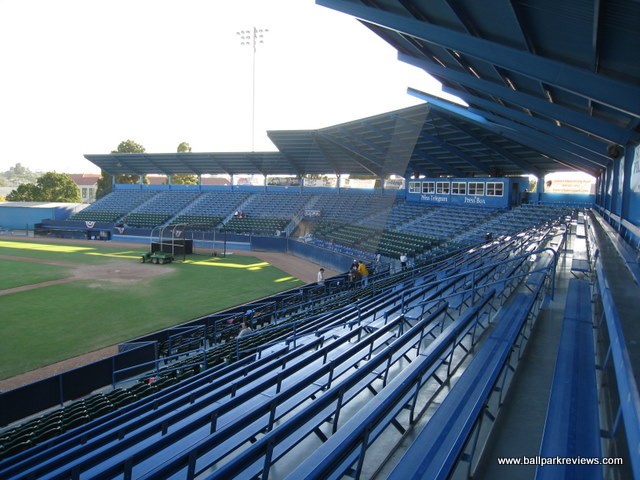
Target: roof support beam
{"x": 590, "y": 125}
{"x": 451, "y": 108}
{"x": 526, "y": 36}
{"x": 129, "y": 156}
{"x": 574, "y": 141}
{"x": 389, "y": 139}
{"x": 569, "y": 141}
{"x": 414, "y": 167}
{"x": 491, "y": 146}
{"x": 379, "y": 163}
{"x": 293, "y": 163}
{"x": 155, "y": 164}
{"x": 249, "y": 157}
{"x": 182, "y": 159}
{"x": 421, "y": 15}
{"x": 430, "y": 158}
{"x": 443, "y": 165}
{"x": 364, "y": 141}
{"x": 613, "y": 93}
{"x": 353, "y": 152}
{"x": 327, "y": 158}
{"x": 595, "y": 35}
{"x": 392, "y": 164}
{"x": 224, "y": 168}
{"x": 522, "y": 134}
{"x": 456, "y": 151}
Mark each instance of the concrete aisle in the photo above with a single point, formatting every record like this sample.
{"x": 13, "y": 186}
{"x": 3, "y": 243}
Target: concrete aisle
{"x": 518, "y": 430}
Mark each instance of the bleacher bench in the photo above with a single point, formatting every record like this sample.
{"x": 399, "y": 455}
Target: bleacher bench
{"x": 572, "y": 426}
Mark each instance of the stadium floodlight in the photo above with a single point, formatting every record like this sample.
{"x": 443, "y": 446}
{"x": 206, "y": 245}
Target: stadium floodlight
{"x": 252, "y": 38}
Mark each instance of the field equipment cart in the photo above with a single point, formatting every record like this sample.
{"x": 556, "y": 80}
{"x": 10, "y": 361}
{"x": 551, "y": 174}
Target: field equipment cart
{"x": 157, "y": 257}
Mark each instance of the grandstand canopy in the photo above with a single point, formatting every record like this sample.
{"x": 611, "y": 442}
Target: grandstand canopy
{"x": 561, "y": 77}
{"x": 417, "y": 139}
{"x": 551, "y": 86}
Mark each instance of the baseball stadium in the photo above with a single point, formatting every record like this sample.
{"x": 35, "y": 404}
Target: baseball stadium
{"x": 403, "y": 296}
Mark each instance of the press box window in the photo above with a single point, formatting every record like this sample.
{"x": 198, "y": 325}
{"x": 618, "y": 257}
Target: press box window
{"x": 414, "y": 187}
{"x": 428, "y": 187}
{"x": 476, "y": 188}
{"x": 443, "y": 188}
{"x": 458, "y": 188}
{"x": 494, "y": 189}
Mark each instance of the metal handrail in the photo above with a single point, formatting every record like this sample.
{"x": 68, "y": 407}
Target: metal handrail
{"x": 484, "y": 267}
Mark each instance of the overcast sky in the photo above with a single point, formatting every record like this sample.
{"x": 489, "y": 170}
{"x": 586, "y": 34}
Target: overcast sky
{"x": 80, "y": 76}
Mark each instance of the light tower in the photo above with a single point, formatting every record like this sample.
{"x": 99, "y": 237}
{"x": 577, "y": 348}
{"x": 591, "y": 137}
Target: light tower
{"x": 252, "y": 38}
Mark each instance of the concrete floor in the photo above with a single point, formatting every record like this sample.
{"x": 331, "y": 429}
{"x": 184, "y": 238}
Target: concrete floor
{"x": 519, "y": 428}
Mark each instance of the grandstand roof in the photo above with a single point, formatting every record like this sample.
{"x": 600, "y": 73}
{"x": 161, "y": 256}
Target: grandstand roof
{"x": 416, "y": 139}
{"x": 550, "y": 85}
{"x": 561, "y": 77}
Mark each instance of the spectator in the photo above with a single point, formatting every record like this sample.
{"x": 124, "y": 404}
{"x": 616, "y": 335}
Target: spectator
{"x": 248, "y": 318}
{"x": 353, "y": 277}
{"x": 245, "y": 329}
{"x": 403, "y": 261}
{"x": 321, "y": 276}
{"x": 364, "y": 273}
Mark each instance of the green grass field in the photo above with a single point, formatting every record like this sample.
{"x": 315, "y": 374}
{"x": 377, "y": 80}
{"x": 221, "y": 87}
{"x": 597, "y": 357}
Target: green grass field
{"x": 51, "y": 323}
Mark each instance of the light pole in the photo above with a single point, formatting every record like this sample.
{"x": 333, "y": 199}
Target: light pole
{"x": 252, "y": 38}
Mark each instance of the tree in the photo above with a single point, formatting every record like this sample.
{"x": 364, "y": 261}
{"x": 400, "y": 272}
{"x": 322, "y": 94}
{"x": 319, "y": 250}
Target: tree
{"x": 184, "y": 179}
{"x": 129, "y": 146}
{"x": 50, "y": 187}
{"x": 104, "y": 183}
{"x": 26, "y": 192}
{"x": 58, "y": 187}
{"x": 184, "y": 147}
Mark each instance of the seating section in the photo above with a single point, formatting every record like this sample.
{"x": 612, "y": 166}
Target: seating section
{"x": 218, "y": 405}
{"x": 113, "y": 206}
{"x": 449, "y": 220}
{"x": 159, "y": 209}
{"x": 401, "y": 213}
{"x": 423, "y": 232}
{"x": 267, "y": 212}
{"x": 520, "y": 218}
{"x": 227, "y": 407}
{"x": 210, "y": 209}
{"x": 351, "y": 207}
{"x": 390, "y": 243}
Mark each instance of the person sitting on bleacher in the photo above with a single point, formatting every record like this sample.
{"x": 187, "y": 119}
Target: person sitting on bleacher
{"x": 245, "y": 329}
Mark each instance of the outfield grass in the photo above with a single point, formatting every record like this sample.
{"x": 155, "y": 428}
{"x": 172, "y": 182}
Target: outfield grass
{"x": 49, "y": 324}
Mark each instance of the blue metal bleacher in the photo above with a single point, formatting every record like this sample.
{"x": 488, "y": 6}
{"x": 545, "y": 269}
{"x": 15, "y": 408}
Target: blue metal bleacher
{"x": 572, "y": 428}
